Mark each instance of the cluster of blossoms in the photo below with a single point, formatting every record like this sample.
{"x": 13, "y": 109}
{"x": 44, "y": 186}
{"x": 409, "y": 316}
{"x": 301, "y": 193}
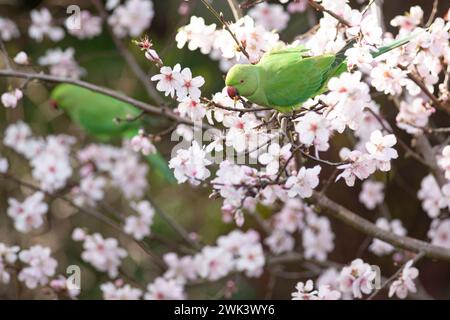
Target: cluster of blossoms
{"x": 296, "y": 216}
{"x": 356, "y": 279}
{"x": 61, "y": 63}
{"x": 38, "y": 265}
{"x": 37, "y": 268}
{"x": 433, "y": 197}
{"x": 279, "y": 177}
{"x": 139, "y": 225}
{"x": 105, "y": 255}
{"x": 49, "y": 158}
{"x": 8, "y": 255}
{"x": 353, "y": 281}
{"x": 131, "y": 18}
{"x": 29, "y": 214}
{"x": 180, "y": 83}
{"x": 220, "y": 45}
{"x": 10, "y": 99}
{"x": 118, "y": 290}
{"x": 235, "y": 252}
{"x": 395, "y": 226}
{"x": 121, "y": 165}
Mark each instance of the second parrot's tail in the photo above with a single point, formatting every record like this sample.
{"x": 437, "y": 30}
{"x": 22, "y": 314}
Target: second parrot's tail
{"x": 341, "y": 57}
{"x": 393, "y": 45}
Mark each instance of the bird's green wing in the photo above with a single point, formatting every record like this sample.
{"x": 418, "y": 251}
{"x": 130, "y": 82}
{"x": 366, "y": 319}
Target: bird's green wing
{"x": 95, "y": 112}
{"x": 288, "y": 82}
{"x": 287, "y": 53}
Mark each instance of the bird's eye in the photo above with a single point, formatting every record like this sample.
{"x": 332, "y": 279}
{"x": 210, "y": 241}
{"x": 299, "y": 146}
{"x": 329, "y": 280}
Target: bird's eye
{"x": 242, "y": 81}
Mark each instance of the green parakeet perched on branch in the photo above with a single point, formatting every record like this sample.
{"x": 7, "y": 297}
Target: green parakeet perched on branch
{"x": 285, "y": 78}
{"x": 96, "y": 114}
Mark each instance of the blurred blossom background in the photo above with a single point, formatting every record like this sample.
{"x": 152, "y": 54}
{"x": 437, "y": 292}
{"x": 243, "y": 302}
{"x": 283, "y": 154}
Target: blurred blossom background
{"x": 190, "y": 206}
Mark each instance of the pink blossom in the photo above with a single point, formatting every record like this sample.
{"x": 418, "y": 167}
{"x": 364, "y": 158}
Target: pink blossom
{"x": 405, "y": 283}
{"x": 169, "y": 80}
{"x": 10, "y": 99}
{"x": 304, "y": 182}
{"x": 40, "y": 266}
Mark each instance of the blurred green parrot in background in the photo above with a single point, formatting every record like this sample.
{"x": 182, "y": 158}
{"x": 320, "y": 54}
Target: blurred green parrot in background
{"x": 96, "y": 114}
{"x": 285, "y": 78}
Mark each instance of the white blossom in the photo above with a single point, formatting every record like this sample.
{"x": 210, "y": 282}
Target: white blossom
{"x": 40, "y": 266}
{"x": 29, "y": 214}
{"x": 357, "y": 278}
{"x": 119, "y": 291}
{"x": 190, "y": 165}
{"x": 84, "y": 26}
{"x": 8, "y": 29}
{"x": 131, "y": 18}
{"x": 42, "y": 25}
{"x": 380, "y": 247}
{"x": 304, "y": 182}
{"x": 164, "y": 289}
{"x": 10, "y": 99}
{"x": 405, "y": 282}
{"x": 371, "y": 194}
{"x": 103, "y": 254}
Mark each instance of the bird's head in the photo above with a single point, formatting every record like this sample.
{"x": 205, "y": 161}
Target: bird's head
{"x": 54, "y": 104}
{"x": 59, "y": 97}
{"x": 242, "y": 80}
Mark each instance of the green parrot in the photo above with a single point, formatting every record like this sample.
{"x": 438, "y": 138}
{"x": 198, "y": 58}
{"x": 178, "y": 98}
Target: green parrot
{"x": 285, "y": 78}
{"x": 95, "y": 113}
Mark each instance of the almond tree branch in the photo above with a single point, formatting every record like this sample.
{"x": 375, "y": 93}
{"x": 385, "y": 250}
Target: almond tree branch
{"x": 163, "y": 111}
{"x": 336, "y": 210}
{"x": 319, "y": 7}
{"x": 395, "y": 276}
{"x": 415, "y": 78}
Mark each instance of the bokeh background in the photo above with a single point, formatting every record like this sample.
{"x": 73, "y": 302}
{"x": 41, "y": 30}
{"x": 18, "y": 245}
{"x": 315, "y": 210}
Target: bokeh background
{"x": 190, "y": 206}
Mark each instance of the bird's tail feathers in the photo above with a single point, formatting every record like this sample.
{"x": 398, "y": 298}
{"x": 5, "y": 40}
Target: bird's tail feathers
{"x": 340, "y": 55}
{"x": 394, "y": 44}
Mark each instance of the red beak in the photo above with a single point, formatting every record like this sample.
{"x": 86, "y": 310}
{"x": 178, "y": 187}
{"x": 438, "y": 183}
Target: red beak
{"x": 53, "y": 104}
{"x": 232, "y": 92}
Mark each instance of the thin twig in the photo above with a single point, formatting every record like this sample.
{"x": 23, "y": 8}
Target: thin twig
{"x": 218, "y": 105}
{"x": 128, "y": 57}
{"x": 130, "y": 118}
{"x": 419, "y": 256}
{"x": 250, "y": 3}
{"x": 334, "y": 164}
{"x": 415, "y": 78}
{"x": 235, "y": 9}
{"x": 224, "y": 23}
{"x": 319, "y": 7}
{"x": 433, "y": 13}
{"x": 403, "y": 144}
{"x": 367, "y": 7}
{"x": 174, "y": 225}
{"x": 357, "y": 222}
